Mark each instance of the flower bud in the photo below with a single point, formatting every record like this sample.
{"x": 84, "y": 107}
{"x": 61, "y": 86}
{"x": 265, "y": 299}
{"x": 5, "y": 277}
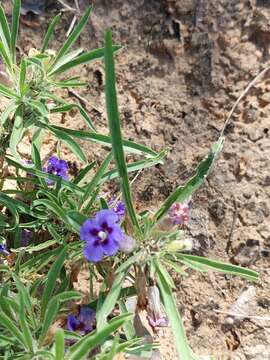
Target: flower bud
{"x": 185, "y": 244}
{"x": 156, "y": 317}
{"x": 127, "y": 244}
{"x": 179, "y": 213}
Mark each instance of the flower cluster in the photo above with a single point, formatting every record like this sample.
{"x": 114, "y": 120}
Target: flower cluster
{"x": 57, "y": 167}
{"x": 179, "y": 213}
{"x": 84, "y": 322}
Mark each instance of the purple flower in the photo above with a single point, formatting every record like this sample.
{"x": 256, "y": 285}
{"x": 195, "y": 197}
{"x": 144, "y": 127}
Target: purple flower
{"x": 57, "y": 167}
{"x": 102, "y": 235}
{"x": 84, "y": 322}
{"x": 155, "y": 316}
{"x": 119, "y": 208}
{"x": 179, "y": 213}
{"x": 3, "y": 250}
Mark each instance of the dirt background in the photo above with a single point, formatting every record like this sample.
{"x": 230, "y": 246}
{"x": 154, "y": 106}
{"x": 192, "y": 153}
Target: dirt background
{"x": 183, "y": 65}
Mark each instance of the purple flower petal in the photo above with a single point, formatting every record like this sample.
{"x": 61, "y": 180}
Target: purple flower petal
{"x": 106, "y": 216}
{"x": 87, "y": 317}
{"x": 110, "y": 247}
{"x": 92, "y": 252}
{"x": 116, "y": 233}
{"x": 72, "y": 322}
{"x": 3, "y": 250}
{"x": 89, "y": 230}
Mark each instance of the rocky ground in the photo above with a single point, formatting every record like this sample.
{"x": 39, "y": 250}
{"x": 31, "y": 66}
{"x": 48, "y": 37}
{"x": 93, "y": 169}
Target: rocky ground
{"x": 183, "y": 65}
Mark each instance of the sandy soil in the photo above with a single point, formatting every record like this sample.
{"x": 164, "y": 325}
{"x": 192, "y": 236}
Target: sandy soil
{"x": 183, "y": 65}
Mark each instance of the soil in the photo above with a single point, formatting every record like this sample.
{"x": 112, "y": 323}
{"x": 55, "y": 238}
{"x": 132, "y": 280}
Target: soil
{"x": 183, "y": 65}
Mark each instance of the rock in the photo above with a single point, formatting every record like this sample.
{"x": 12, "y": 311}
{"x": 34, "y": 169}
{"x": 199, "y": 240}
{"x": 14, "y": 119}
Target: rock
{"x": 217, "y": 209}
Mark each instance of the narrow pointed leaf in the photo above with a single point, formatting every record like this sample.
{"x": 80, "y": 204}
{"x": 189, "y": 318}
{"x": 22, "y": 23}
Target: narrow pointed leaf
{"x": 15, "y": 27}
{"x": 51, "y": 280}
{"x": 115, "y": 130}
{"x": 183, "y": 192}
{"x": 220, "y": 266}
{"x": 174, "y": 317}
{"x": 72, "y": 37}
{"x": 49, "y": 32}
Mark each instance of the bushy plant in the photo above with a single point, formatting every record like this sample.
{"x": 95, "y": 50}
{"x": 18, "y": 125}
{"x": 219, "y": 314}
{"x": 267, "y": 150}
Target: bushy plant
{"x": 51, "y": 222}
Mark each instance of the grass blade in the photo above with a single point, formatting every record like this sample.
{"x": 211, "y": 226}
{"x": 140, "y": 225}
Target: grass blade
{"x": 72, "y": 144}
{"x": 24, "y": 325}
{"x": 114, "y": 125}
{"x": 174, "y": 317}
{"x": 96, "y": 179}
{"x": 59, "y": 344}
{"x": 12, "y": 328}
{"x": 72, "y": 37}
{"x": 49, "y": 32}
{"x": 83, "y": 346}
{"x": 15, "y": 27}
{"x": 51, "y": 280}
{"x": 110, "y": 299}
{"x": 6, "y": 38}
{"x": 220, "y": 266}
{"x": 183, "y": 192}
{"x": 101, "y": 139}
{"x": 82, "y": 59}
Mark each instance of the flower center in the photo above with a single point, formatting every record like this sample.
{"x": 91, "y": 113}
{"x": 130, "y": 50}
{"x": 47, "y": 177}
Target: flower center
{"x": 102, "y": 235}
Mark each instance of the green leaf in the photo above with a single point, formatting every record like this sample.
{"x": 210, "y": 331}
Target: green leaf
{"x": 82, "y": 59}
{"x": 165, "y": 274}
{"x": 5, "y": 91}
{"x": 68, "y": 107}
{"x": 11, "y": 206}
{"x": 49, "y": 32}
{"x": 11, "y": 107}
{"x": 12, "y": 328}
{"x": 183, "y": 192}
{"x": 27, "y": 304}
{"x": 37, "y": 161}
{"x": 101, "y": 139}
{"x": 35, "y": 172}
{"x": 66, "y": 58}
{"x": 5, "y": 54}
{"x": 24, "y": 325}
{"x": 174, "y": 317}
{"x": 98, "y": 175}
{"x": 59, "y": 344}
{"x": 83, "y": 172}
{"x": 115, "y": 130}
{"x": 74, "y": 147}
{"x": 135, "y": 166}
{"x": 51, "y": 206}
{"x": 51, "y": 280}
{"x": 72, "y": 38}
{"x": 129, "y": 328}
{"x": 39, "y": 106}
{"x": 75, "y": 219}
{"x": 15, "y": 27}
{"x": 4, "y": 29}
{"x": 6, "y": 38}
{"x": 22, "y": 77}
{"x": 87, "y": 343}
{"x": 110, "y": 300}
{"x": 52, "y": 310}
{"x": 220, "y": 266}
{"x": 17, "y": 132}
